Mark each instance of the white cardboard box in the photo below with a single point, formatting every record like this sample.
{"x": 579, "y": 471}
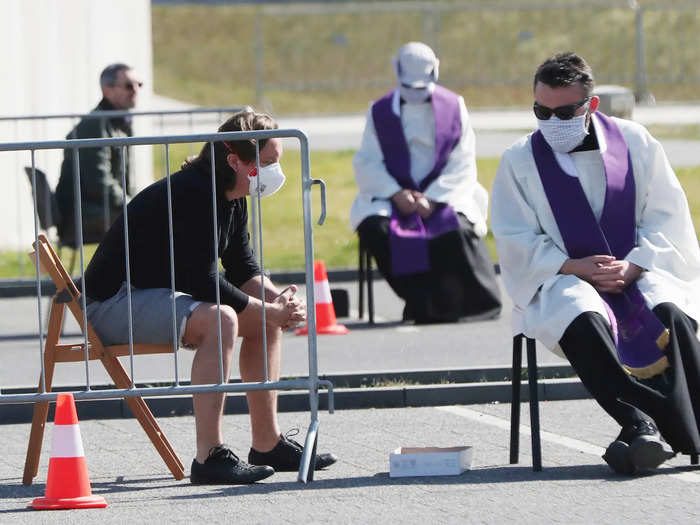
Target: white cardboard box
{"x": 429, "y": 461}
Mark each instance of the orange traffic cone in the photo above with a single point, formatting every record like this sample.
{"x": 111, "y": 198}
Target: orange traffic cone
{"x": 325, "y": 313}
{"x": 68, "y": 484}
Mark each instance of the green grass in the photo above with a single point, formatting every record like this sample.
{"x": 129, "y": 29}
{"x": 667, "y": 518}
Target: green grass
{"x": 337, "y": 62}
{"x": 334, "y": 242}
{"x": 687, "y": 131}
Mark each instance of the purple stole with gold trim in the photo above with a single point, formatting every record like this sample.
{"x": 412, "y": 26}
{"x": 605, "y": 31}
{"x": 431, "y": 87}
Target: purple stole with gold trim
{"x": 639, "y": 335}
{"x": 409, "y": 234}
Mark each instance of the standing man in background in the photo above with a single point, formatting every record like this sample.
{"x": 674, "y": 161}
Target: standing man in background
{"x": 420, "y": 210}
{"x": 100, "y": 168}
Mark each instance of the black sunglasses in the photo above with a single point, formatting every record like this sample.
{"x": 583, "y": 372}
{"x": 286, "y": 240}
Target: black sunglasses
{"x": 131, "y": 86}
{"x": 562, "y": 112}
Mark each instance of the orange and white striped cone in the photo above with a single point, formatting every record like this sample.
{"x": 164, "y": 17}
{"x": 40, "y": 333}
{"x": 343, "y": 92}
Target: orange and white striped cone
{"x": 68, "y": 483}
{"x": 325, "y": 312}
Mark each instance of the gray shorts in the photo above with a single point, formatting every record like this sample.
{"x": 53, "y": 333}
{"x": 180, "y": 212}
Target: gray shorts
{"x": 152, "y": 314}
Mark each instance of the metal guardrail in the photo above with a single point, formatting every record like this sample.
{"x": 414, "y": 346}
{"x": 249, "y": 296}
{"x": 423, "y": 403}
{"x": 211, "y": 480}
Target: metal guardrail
{"x": 125, "y": 113}
{"x": 312, "y": 383}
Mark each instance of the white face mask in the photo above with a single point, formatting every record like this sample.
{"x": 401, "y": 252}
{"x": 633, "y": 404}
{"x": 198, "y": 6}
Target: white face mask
{"x": 563, "y": 135}
{"x": 271, "y": 179}
{"x": 416, "y": 95}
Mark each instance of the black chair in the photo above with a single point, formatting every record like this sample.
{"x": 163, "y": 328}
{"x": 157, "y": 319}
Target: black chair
{"x": 365, "y": 274}
{"x": 534, "y": 403}
{"x": 47, "y": 209}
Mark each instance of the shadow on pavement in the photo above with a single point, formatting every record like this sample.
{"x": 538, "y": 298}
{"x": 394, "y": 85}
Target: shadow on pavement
{"x": 486, "y": 475}
{"x": 12, "y": 487}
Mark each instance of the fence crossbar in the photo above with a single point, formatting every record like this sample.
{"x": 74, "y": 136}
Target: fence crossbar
{"x": 115, "y": 113}
{"x": 159, "y": 139}
{"x": 181, "y": 390}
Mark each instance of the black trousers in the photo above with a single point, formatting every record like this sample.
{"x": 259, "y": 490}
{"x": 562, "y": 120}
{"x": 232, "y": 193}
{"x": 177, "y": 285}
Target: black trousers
{"x": 461, "y": 281}
{"x": 671, "y": 399}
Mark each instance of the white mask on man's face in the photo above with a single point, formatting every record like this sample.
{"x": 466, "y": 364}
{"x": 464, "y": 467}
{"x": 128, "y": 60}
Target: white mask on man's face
{"x": 271, "y": 178}
{"x": 563, "y": 135}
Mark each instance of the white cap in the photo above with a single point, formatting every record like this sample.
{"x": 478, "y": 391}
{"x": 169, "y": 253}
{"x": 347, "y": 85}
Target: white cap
{"x": 416, "y": 65}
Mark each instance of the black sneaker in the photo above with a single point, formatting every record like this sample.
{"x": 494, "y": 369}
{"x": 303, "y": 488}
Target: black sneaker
{"x": 286, "y": 456}
{"x": 223, "y": 467}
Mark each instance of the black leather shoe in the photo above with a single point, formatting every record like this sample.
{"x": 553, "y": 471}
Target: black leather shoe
{"x": 640, "y": 446}
{"x": 648, "y": 451}
{"x": 618, "y": 458}
{"x": 641, "y": 428}
{"x": 286, "y": 456}
{"x": 223, "y": 467}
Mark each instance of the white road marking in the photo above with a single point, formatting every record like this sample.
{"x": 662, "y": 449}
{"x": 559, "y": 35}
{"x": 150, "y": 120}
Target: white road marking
{"x": 571, "y": 443}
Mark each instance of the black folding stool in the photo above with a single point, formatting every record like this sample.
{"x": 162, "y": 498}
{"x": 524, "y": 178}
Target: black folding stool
{"x": 534, "y": 404}
{"x": 365, "y": 274}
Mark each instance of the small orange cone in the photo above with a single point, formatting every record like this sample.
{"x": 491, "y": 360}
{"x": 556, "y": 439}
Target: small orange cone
{"x": 325, "y": 313}
{"x": 68, "y": 484}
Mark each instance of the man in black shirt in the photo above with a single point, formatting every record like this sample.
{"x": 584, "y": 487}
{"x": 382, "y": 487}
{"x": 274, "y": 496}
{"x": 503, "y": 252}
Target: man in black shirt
{"x": 196, "y": 274}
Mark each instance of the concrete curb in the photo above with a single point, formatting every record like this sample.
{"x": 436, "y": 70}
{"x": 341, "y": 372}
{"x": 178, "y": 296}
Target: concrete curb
{"x": 484, "y": 390}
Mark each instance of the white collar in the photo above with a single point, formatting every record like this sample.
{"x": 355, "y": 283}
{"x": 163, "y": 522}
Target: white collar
{"x": 396, "y": 103}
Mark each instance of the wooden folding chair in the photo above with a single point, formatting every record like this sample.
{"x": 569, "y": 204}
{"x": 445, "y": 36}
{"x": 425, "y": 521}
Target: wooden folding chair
{"x": 67, "y": 295}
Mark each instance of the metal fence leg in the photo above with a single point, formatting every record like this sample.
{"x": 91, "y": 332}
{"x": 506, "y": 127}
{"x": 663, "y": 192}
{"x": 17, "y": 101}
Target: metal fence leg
{"x": 308, "y": 458}
{"x": 534, "y": 406}
{"x": 515, "y": 399}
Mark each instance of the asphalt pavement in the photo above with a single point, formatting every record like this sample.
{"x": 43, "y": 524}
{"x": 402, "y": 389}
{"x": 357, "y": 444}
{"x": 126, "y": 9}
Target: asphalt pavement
{"x": 575, "y": 486}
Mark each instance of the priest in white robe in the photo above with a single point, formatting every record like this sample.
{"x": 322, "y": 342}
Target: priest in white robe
{"x": 420, "y": 210}
{"x": 554, "y": 197}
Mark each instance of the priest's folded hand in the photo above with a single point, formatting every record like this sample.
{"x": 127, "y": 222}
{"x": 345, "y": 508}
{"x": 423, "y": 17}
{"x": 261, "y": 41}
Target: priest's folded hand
{"x": 615, "y": 276}
{"x": 424, "y": 207}
{"x": 404, "y": 201}
{"x": 585, "y": 267}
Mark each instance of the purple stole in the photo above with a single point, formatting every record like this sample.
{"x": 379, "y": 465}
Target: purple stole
{"x": 639, "y": 335}
{"x": 409, "y": 234}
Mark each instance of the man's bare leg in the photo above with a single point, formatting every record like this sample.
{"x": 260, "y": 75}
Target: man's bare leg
{"x": 262, "y": 404}
{"x": 201, "y": 331}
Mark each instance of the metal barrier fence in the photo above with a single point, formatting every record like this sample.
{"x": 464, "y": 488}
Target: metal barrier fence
{"x": 312, "y": 383}
{"x": 190, "y": 113}
{"x": 56, "y": 126}
{"x": 344, "y": 46}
